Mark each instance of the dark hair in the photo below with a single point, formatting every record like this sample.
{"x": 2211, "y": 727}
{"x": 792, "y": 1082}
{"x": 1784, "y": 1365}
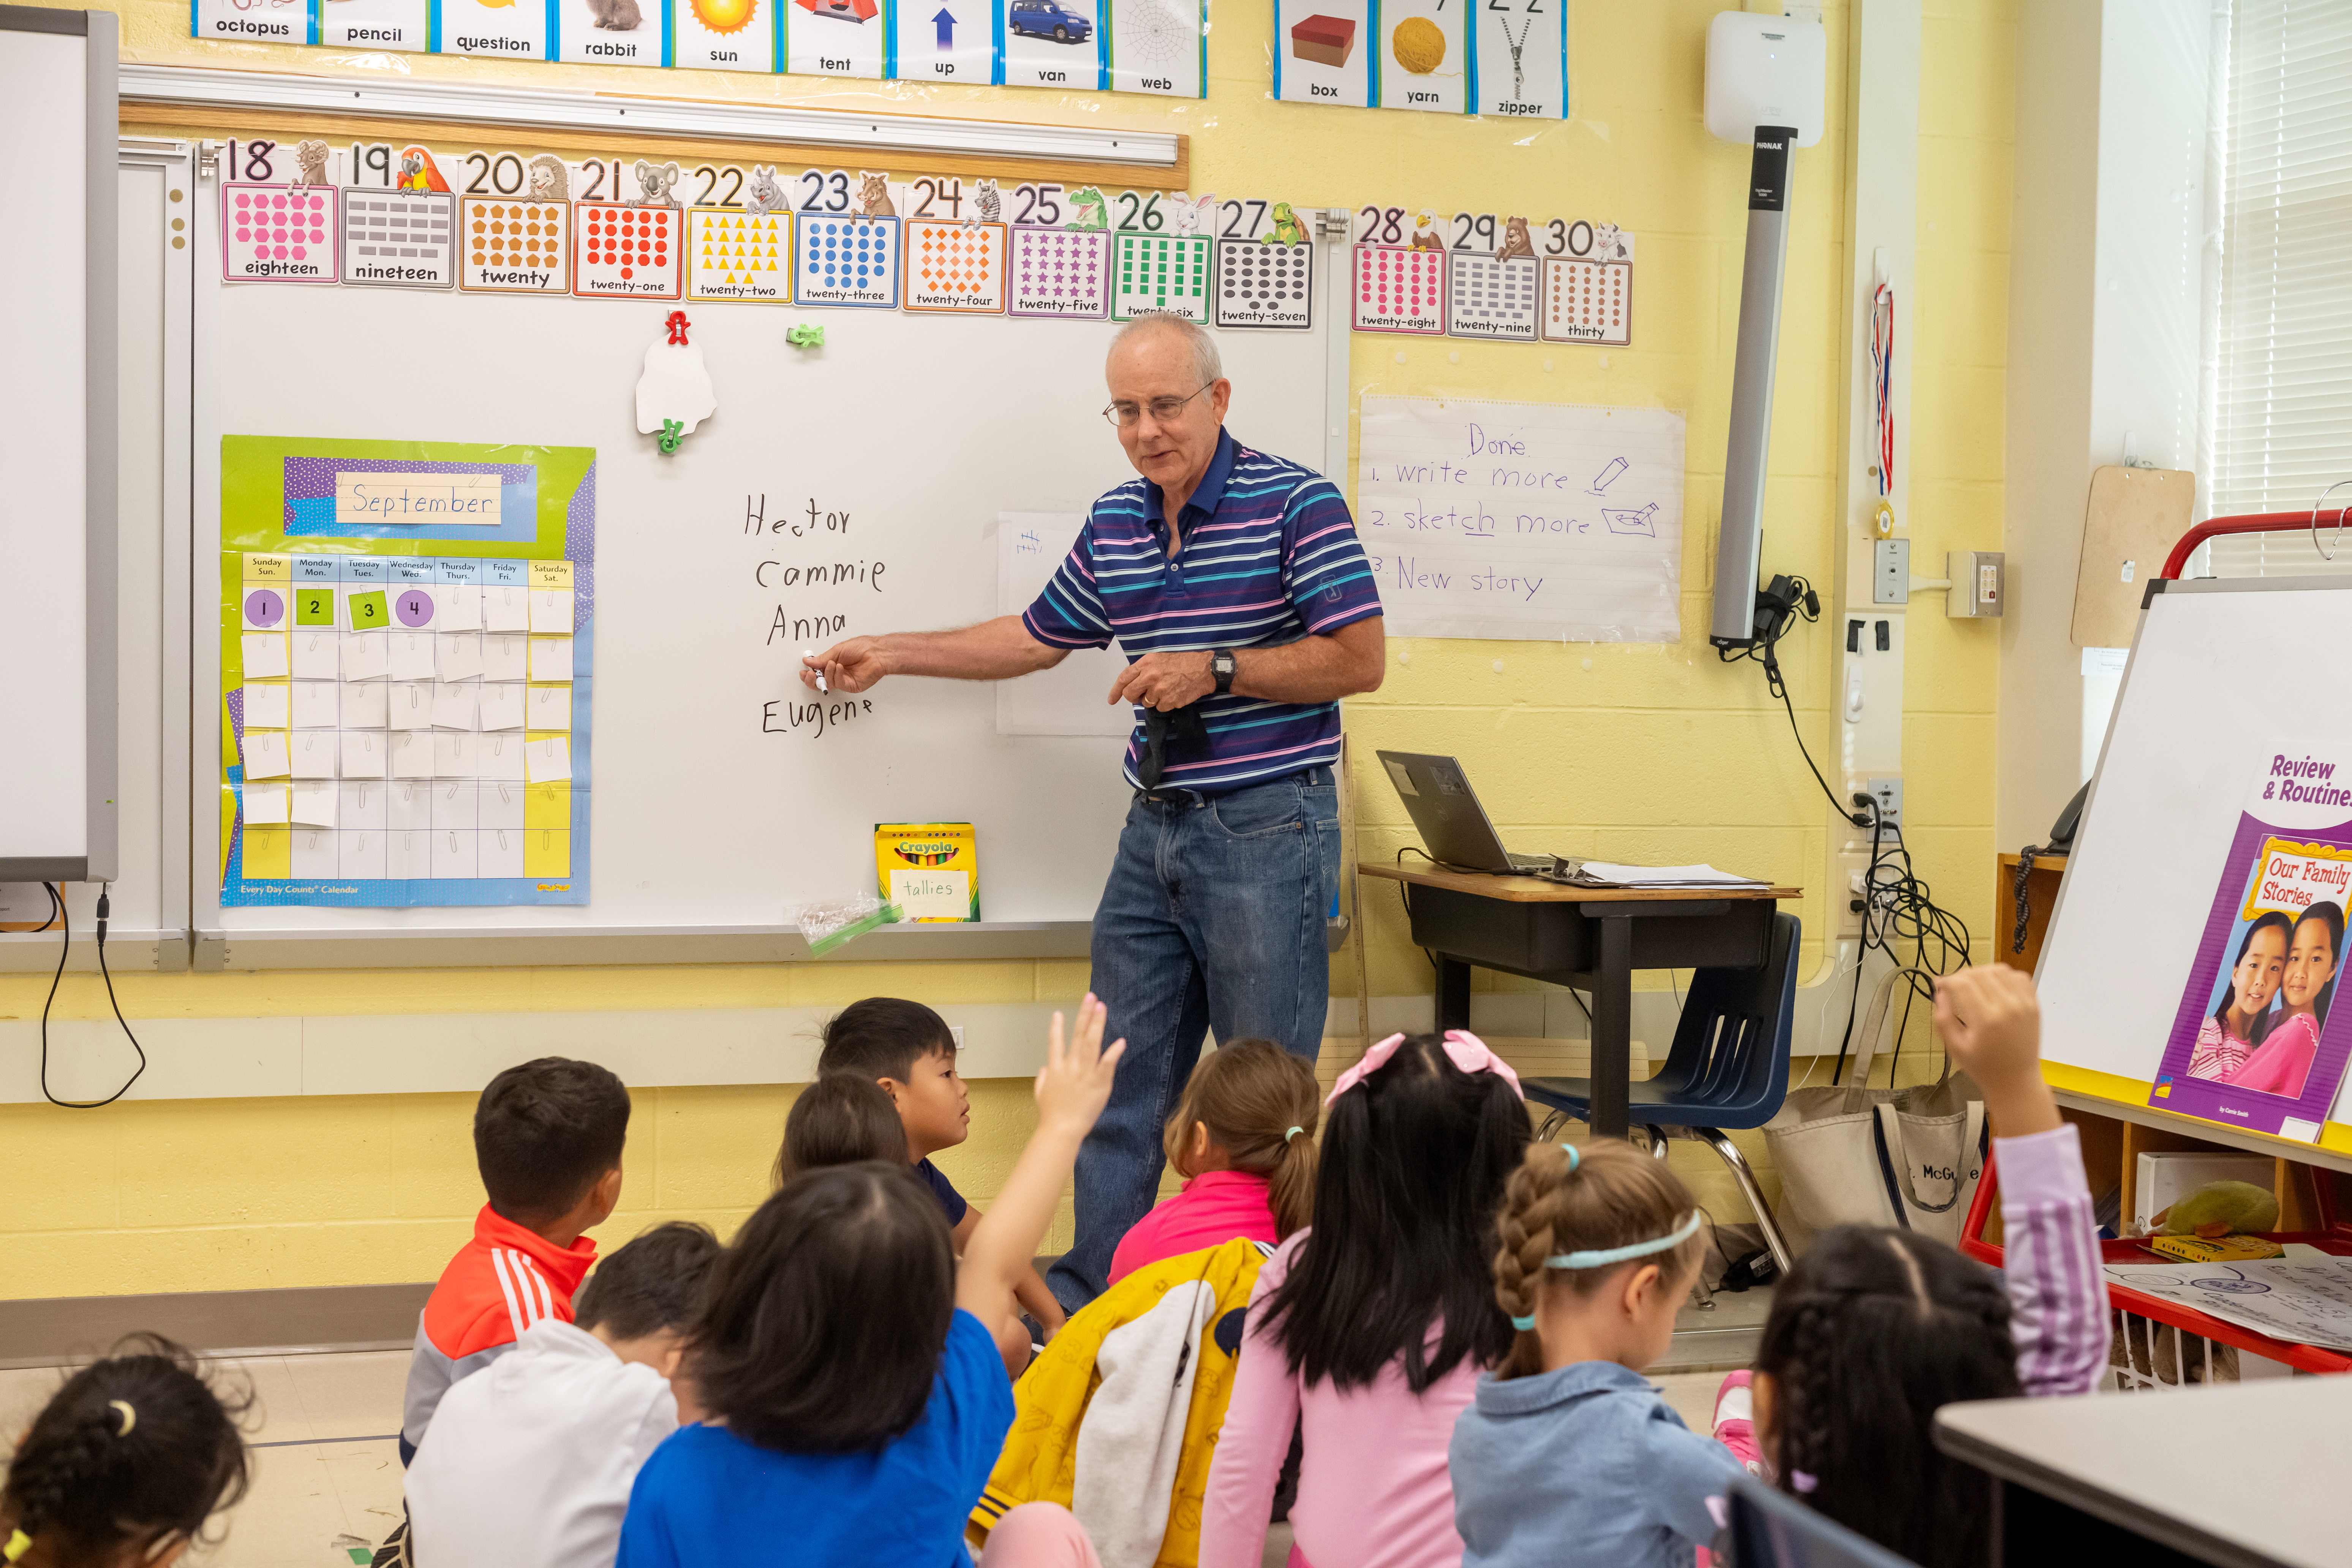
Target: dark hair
{"x": 1414, "y": 1162}
{"x": 1873, "y": 1333}
{"x": 839, "y": 1120}
{"x": 1260, "y": 1105}
{"x": 883, "y": 1037}
{"x": 1610, "y": 1197}
{"x": 133, "y": 1448}
{"x": 2262, "y": 923}
{"x": 655, "y": 1282}
{"x": 828, "y": 1316}
{"x": 2332, "y": 913}
{"x": 545, "y": 1132}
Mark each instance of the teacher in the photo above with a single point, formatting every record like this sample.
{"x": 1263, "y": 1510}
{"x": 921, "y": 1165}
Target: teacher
{"x": 1235, "y": 585}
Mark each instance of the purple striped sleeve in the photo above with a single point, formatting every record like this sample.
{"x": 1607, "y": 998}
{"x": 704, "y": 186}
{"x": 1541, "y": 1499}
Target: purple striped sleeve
{"x": 2057, "y": 1297}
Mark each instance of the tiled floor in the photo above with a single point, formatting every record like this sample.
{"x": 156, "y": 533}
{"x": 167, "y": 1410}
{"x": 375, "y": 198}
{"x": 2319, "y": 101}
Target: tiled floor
{"x": 327, "y": 1468}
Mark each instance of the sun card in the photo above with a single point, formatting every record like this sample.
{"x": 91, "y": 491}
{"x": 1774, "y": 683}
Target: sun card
{"x": 515, "y": 248}
{"x": 954, "y": 266}
{"x": 734, "y": 255}
{"x": 724, "y": 34}
{"x": 1061, "y": 272}
{"x": 623, "y": 252}
{"x": 279, "y": 234}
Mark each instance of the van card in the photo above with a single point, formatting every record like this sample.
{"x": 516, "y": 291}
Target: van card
{"x": 2256, "y": 1043}
{"x": 1051, "y": 43}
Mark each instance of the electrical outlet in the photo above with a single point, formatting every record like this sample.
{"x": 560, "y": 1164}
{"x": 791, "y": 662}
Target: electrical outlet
{"x": 1889, "y": 792}
{"x": 1846, "y": 891}
{"x": 1890, "y": 572}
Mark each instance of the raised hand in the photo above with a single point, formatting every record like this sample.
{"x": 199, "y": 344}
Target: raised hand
{"x": 1074, "y": 1083}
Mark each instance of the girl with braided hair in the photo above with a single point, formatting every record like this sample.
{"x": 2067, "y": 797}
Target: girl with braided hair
{"x": 1874, "y": 1329}
{"x": 1597, "y": 1248}
{"x": 124, "y": 1464}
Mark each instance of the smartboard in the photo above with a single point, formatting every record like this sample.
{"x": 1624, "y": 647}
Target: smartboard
{"x": 724, "y": 792}
{"x": 2222, "y": 803}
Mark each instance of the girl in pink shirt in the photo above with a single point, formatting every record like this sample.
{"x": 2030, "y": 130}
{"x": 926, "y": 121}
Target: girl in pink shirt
{"x": 1367, "y": 1333}
{"x": 1244, "y": 1140}
{"x": 2290, "y": 1037}
{"x": 2226, "y": 1038}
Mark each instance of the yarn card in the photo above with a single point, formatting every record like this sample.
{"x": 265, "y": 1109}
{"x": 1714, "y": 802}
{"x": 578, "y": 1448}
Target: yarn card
{"x": 1423, "y": 55}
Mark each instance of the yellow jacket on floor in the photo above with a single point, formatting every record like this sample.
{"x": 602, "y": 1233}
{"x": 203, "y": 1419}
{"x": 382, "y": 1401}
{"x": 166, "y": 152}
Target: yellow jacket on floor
{"x": 1119, "y": 1419}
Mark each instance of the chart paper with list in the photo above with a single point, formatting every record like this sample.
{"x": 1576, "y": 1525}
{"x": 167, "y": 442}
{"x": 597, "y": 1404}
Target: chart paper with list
{"x": 1523, "y": 519}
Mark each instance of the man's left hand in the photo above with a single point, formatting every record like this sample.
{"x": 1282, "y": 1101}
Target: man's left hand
{"x": 1165, "y": 680}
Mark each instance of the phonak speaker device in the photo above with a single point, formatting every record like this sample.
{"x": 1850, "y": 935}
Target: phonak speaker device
{"x": 1766, "y": 85}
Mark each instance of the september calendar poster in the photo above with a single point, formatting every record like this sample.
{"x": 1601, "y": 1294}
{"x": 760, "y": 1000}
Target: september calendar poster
{"x": 2256, "y": 1043}
{"x": 407, "y": 659}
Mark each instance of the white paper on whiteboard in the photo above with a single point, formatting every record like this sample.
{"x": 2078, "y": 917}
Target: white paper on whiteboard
{"x": 1068, "y": 699}
{"x": 1529, "y": 520}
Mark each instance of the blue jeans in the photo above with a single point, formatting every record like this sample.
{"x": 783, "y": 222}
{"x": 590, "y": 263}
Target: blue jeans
{"x": 1214, "y": 919}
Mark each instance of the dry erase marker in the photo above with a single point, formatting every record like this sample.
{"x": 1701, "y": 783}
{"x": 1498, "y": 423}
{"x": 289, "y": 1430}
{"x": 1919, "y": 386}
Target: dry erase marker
{"x": 823, "y": 690}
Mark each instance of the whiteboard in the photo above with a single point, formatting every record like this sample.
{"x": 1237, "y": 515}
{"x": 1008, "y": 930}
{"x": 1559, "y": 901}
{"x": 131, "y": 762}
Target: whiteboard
{"x": 1071, "y": 698}
{"x": 2224, "y": 676}
{"x": 722, "y": 796}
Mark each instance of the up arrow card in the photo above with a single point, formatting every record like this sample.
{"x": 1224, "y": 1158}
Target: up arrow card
{"x": 942, "y": 43}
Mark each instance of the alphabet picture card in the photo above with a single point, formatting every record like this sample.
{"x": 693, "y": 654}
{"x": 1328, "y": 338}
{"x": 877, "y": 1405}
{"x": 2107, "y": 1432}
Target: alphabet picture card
{"x": 725, "y": 35}
{"x": 1423, "y": 55}
{"x": 1051, "y": 43}
{"x": 1522, "y": 53}
{"x": 611, "y": 32}
{"x": 945, "y": 41}
{"x": 835, "y": 37}
{"x": 497, "y": 27}
{"x": 1322, "y": 54}
{"x": 404, "y": 25}
{"x": 1159, "y": 46}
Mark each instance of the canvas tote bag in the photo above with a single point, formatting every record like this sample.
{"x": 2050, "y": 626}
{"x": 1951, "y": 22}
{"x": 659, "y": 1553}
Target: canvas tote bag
{"x": 1907, "y": 1157}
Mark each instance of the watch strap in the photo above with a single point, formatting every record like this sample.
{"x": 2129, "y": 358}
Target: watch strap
{"x": 1223, "y": 666}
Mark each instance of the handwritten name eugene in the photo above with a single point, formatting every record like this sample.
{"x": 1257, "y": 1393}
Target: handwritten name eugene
{"x": 806, "y": 611}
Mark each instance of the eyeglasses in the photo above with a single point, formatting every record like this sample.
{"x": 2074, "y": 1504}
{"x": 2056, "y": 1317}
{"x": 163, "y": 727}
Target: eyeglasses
{"x": 1164, "y": 410}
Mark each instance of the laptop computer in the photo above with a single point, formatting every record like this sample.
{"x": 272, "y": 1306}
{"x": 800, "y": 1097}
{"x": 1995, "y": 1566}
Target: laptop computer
{"x": 1454, "y": 825}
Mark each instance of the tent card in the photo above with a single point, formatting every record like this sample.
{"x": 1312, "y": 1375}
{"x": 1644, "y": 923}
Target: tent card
{"x": 279, "y": 233}
{"x": 836, "y": 37}
{"x": 515, "y": 248}
{"x": 625, "y": 252}
{"x": 954, "y": 266}
{"x": 1159, "y": 274}
{"x": 735, "y": 255}
{"x": 846, "y": 261}
{"x": 399, "y": 239}
{"x": 1057, "y": 272}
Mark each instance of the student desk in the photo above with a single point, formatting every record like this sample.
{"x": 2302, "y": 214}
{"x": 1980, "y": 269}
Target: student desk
{"x": 2243, "y": 1474}
{"x": 1589, "y": 938}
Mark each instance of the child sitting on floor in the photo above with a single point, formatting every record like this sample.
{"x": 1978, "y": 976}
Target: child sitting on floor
{"x": 529, "y": 1464}
{"x": 909, "y": 1050}
{"x": 840, "y": 1120}
{"x": 1242, "y": 1137}
{"x": 124, "y": 1464}
{"x": 857, "y": 1399}
{"x": 1597, "y": 1248}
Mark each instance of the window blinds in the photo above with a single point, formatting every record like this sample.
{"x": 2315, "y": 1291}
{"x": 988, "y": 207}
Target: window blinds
{"x": 2282, "y": 407}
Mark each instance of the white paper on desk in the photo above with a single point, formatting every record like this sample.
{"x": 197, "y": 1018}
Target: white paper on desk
{"x": 1663, "y": 876}
{"x": 2303, "y": 1301}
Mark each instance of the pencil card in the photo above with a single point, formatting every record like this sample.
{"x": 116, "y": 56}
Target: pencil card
{"x": 623, "y": 252}
{"x": 313, "y": 804}
{"x": 312, "y": 753}
{"x": 266, "y": 706}
{"x": 506, "y": 657}
{"x": 506, "y": 607}
{"x": 1262, "y": 283}
{"x": 502, "y": 706}
{"x": 459, "y": 658}
{"x": 725, "y": 35}
{"x": 1061, "y": 272}
{"x": 515, "y": 247}
{"x": 411, "y": 758}
{"x": 501, "y": 759}
{"x": 731, "y": 254}
{"x": 266, "y": 755}
{"x": 402, "y": 238}
{"x": 547, "y": 760}
{"x": 1158, "y": 274}
{"x": 410, "y": 655}
{"x": 846, "y": 261}
{"x": 550, "y": 658}
{"x": 453, "y": 754}
{"x": 363, "y": 704}
{"x": 314, "y": 704}
{"x": 402, "y": 25}
{"x": 1399, "y": 289}
{"x": 364, "y": 753}
{"x": 263, "y": 804}
{"x": 408, "y": 705}
{"x": 317, "y": 656}
{"x": 366, "y": 656}
{"x": 263, "y": 655}
{"x": 548, "y": 707}
{"x": 954, "y": 266}
{"x": 279, "y": 234}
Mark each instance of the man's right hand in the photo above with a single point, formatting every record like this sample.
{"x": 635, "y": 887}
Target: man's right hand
{"x": 853, "y": 666}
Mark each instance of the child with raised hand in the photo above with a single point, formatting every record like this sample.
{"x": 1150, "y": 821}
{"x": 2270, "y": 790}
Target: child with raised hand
{"x": 124, "y": 1464}
{"x": 1242, "y": 1137}
{"x": 1367, "y": 1332}
{"x": 856, "y": 1400}
{"x": 1597, "y": 1247}
{"x": 1874, "y": 1329}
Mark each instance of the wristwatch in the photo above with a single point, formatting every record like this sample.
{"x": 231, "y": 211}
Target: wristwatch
{"x": 1222, "y": 666}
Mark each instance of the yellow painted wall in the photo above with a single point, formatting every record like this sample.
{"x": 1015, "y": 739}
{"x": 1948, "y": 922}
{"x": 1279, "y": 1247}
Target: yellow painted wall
{"x": 1633, "y": 753}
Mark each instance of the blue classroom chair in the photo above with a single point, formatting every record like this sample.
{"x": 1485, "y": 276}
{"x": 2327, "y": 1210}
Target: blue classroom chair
{"x": 1728, "y": 1067}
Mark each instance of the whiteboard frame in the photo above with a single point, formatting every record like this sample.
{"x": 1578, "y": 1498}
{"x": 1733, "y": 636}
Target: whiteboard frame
{"x": 2144, "y": 1114}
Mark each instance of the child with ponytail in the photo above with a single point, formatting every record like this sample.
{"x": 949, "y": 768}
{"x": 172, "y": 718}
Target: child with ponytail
{"x": 1568, "y": 1455}
{"x": 124, "y": 1464}
{"x": 1242, "y": 1137}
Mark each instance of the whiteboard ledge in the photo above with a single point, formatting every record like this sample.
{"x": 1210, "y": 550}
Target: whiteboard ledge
{"x": 528, "y": 946}
{"x": 127, "y": 951}
{"x": 543, "y": 112}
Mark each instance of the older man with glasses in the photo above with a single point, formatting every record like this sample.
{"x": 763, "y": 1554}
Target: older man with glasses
{"x": 1235, "y": 584}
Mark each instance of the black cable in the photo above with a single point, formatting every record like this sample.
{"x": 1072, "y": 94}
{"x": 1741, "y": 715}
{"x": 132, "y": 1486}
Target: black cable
{"x": 59, "y": 912}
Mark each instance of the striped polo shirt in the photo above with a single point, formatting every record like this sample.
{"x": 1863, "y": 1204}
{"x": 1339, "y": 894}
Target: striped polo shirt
{"x": 1268, "y": 555}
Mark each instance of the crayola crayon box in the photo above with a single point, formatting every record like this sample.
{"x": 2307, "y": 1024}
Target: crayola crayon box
{"x": 929, "y": 869}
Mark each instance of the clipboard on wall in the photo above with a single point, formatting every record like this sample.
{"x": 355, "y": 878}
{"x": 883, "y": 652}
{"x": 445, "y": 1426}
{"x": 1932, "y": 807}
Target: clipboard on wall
{"x": 2134, "y": 516}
